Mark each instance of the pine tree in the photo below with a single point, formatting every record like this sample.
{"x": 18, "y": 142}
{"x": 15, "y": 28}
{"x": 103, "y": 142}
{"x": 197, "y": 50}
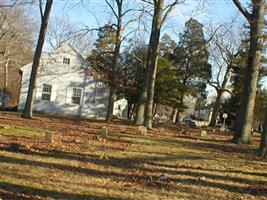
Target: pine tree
{"x": 191, "y": 60}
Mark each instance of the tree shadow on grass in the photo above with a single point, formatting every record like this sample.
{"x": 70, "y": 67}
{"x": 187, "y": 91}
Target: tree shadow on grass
{"x": 191, "y": 171}
{"x": 27, "y": 190}
{"x": 224, "y": 146}
{"x": 147, "y": 180}
{"x": 208, "y": 169}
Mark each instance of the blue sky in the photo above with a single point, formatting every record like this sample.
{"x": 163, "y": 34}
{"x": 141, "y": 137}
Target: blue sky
{"x": 85, "y": 14}
{"x": 93, "y": 13}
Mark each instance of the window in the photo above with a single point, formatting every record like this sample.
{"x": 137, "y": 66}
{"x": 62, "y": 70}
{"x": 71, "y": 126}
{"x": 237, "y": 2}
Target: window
{"x": 76, "y": 96}
{"x": 66, "y": 61}
{"x": 46, "y": 93}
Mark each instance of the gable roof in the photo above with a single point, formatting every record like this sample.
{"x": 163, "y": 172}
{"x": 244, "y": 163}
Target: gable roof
{"x": 64, "y": 47}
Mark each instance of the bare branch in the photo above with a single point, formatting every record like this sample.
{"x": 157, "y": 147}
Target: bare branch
{"x": 168, "y": 10}
{"x": 243, "y": 10}
{"x": 41, "y": 9}
{"x": 112, "y": 9}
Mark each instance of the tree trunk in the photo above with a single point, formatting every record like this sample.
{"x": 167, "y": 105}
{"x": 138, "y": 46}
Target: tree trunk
{"x": 140, "y": 112}
{"x": 245, "y": 118}
{"x": 220, "y": 90}
{"x": 6, "y": 74}
{"x": 263, "y": 144}
{"x": 152, "y": 67}
{"x": 177, "y": 117}
{"x": 155, "y": 108}
{"x": 216, "y": 108}
{"x": 113, "y": 84}
{"x": 27, "y": 112}
{"x": 111, "y": 100}
{"x": 173, "y": 114}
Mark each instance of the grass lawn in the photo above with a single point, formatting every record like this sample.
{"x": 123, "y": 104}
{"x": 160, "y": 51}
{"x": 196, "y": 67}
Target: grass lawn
{"x": 126, "y": 165}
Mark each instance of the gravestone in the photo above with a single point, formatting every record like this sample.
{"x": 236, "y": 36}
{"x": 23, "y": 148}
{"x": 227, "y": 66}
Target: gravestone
{"x": 123, "y": 129}
{"x": 161, "y": 130}
{"x": 86, "y": 144}
{"x": 104, "y": 132}
{"x": 49, "y": 137}
{"x": 203, "y": 133}
{"x": 142, "y": 130}
{"x": 183, "y": 131}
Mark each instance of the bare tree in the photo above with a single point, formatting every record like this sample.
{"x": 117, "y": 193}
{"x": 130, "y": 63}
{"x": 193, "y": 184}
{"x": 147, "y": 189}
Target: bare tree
{"x": 16, "y": 41}
{"x": 121, "y": 28}
{"x": 27, "y": 112}
{"x": 161, "y": 12}
{"x": 13, "y": 3}
{"x": 223, "y": 52}
{"x": 63, "y": 30}
{"x": 118, "y": 13}
{"x": 256, "y": 23}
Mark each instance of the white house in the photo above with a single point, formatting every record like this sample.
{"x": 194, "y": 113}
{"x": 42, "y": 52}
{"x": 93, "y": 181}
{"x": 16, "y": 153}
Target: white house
{"x": 65, "y": 85}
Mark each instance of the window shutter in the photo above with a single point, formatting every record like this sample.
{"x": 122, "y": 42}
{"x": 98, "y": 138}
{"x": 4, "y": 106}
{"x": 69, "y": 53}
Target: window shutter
{"x": 68, "y": 95}
{"x": 53, "y": 93}
{"x": 82, "y": 99}
{"x": 38, "y": 94}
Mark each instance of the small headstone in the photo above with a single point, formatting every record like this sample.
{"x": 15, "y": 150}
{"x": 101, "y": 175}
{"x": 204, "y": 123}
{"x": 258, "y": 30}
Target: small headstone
{"x": 222, "y": 129}
{"x": 86, "y": 144}
{"x": 161, "y": 130}
{"x": 165, "y": 178}
{"x": 104, "y": 132}
{"x": 123, "y": 129}
{"x": 214, "y": 130}
{"x": 143, "y": 130}
{"x": 49, "y": 137}
{"x": 183, "y": 131}
{"x": 203, "y": 133}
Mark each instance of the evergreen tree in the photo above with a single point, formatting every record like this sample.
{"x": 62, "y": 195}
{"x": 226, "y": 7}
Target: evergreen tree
{"x": 191, "y": 61}
{"x": 134, "y": 59}
{"x": 101, "y": 57}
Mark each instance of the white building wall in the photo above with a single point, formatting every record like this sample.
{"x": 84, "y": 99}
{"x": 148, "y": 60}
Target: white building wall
{"x": 63, "y": 78}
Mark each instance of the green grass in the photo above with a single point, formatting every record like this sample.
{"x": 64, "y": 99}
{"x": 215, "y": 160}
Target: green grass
{"x": 127, "y": 166}
{"x": 21, "y": 131}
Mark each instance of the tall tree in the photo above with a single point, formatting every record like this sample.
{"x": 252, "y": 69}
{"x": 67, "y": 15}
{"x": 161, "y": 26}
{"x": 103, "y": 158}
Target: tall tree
{"x": 102, "y": 55}
{"x": 134, "y": 59}
{"x": 256, "y": 23}
{"x": 27, "y": 112}
{"x": 144, "y": 113}
{"x": 224, "y": 51}
{"x": 263, "y": 143}
{"x": 237, "y": 77}
{"x": 119, "y": 13}
{"x": 16, "y": 40}
{"x": 191, "y": 60}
